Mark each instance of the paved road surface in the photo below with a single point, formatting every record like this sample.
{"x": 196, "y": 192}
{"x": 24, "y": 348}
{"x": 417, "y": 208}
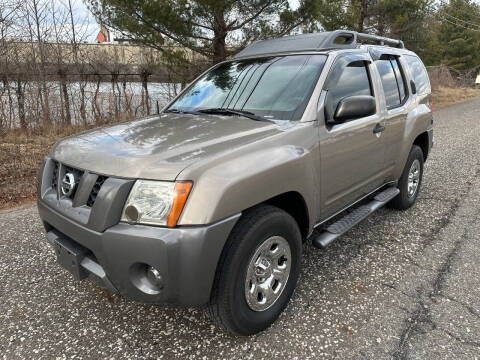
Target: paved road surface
{"x": 402, "y": 285}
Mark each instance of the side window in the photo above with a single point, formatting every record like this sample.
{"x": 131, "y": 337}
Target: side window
{"x": 389, "y": 82}
{"x": 400, "y": 79}
{"x": 353, "y": 80}
{"x": 393, "y": 81}
{"x": 419, "y": 74}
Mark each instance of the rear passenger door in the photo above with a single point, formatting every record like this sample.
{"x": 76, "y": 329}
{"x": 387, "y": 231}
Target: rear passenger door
{"x": 351, "y": 153}
{"x": 395, "y": 90}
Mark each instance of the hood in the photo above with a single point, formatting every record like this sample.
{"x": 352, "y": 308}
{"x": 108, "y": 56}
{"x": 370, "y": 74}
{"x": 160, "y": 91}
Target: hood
{"x": 158, "y": 147}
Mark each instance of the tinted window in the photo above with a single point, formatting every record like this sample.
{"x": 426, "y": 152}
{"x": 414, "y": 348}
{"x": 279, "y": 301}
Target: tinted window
{"x": 389, "y": 82}
{"x": 419, "y": 74}
{"x": 354, "y": 80}
{"x": 400, "y": 79}
{"x": 276, "y": 87}
{"x": 284, "y": 86}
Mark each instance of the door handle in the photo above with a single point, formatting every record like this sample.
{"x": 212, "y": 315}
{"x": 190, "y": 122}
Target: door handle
{"x": 378, "y": 128}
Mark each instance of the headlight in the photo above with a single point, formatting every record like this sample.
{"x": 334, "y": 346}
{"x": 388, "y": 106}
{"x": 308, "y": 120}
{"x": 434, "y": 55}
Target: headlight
{"x": 156, "y": 202}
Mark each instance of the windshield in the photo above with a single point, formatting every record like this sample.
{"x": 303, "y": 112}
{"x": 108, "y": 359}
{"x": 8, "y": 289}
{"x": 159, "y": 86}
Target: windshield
{"x": 272, "y": 88}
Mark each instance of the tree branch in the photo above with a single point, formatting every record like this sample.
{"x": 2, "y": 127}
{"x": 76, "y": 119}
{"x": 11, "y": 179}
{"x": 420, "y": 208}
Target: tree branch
{"x": 172, "y": 37}
{"x": 230, "y": 26}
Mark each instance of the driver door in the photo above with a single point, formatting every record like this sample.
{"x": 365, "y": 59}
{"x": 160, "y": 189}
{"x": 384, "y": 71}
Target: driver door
{"x": 352, "y": 152}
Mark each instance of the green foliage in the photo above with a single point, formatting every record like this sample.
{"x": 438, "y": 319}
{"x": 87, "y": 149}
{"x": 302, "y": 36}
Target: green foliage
{"x": 438, "y": 31}
{"x": 204, "y": 26}
{"x": 331, "y": 15}
{"x": 459, "y": 36}
{"x": 410, "y": 20}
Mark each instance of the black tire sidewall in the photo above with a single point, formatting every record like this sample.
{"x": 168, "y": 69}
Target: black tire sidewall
{"x": 406, "y": 201}
{"x": 277, "y": 223}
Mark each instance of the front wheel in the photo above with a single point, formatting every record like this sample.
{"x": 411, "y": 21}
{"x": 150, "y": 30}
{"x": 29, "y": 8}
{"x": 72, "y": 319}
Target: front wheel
{"x": 258, "y": 271}
{"x": 410, "y": 181}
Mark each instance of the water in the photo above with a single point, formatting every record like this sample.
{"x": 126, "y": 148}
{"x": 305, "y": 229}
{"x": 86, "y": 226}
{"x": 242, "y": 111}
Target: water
{"x": 123, "y": 101}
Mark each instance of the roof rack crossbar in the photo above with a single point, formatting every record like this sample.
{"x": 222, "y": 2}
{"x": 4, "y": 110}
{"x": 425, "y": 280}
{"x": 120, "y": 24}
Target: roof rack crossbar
{"x": 380, "y": 40}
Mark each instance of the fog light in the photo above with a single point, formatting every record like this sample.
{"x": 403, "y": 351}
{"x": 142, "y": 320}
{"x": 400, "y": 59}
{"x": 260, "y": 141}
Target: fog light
{"x": 153, "y": 275}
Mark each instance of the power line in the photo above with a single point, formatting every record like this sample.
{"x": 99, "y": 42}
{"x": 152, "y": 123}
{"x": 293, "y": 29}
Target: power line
{"x": 455, "y": 24}
{"x": 436, "y": 12}
{"x": 469, "y": 14}
{"x": 464, "y": 21}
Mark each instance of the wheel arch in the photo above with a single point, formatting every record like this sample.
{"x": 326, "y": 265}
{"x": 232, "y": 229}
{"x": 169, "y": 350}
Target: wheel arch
{"x": 422, "y": 140}
{"x": 294, "y": 204}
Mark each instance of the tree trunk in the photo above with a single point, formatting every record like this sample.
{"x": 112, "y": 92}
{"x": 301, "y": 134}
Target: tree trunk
{"x": 219, "y": 49}
{"x": 83, "y": 111}
{"x": 21, "y": 105}
{"x": 220, "y": 34}
{"x": 10, "y": 104}
{"x": 114, "y": 85}
{"x": 62, "y": 108}
{"x": 363, "y": 15}
{"x": 3, "y": 119}
{"x": 128, "y": 108}
{"x": 119, "y": 101}
{"x": 98, "y": 115}
{"x": 66, "y": 100}
{"x": 145, "y": 89}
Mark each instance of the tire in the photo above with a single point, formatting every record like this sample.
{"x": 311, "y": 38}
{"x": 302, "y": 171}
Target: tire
{"x": 229, "y": 305}
{"x": 405, "y": 199}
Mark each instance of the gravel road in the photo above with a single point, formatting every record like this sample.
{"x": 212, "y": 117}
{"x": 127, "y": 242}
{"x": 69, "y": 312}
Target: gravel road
{"x": 402, "y": 285}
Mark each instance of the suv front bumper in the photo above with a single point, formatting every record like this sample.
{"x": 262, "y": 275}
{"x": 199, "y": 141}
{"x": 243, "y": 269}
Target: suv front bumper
{"x": 185, "y": 258}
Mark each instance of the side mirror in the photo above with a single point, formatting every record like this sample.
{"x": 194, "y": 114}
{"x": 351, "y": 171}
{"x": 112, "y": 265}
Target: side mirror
{"x": 413, "y": 86}
{"x": 354, "y": 107}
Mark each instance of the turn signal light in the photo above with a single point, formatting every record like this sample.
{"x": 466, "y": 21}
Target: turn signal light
{"x": 181, "y": 192}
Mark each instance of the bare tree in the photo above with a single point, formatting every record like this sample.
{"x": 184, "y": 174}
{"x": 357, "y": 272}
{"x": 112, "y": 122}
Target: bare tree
{"x": 8, "y": 10}
{"x": 36, "y": 14}
{"x": 59, "y": 19}
{"x": 50, "y": 76}
{"x": 76, "y": 37}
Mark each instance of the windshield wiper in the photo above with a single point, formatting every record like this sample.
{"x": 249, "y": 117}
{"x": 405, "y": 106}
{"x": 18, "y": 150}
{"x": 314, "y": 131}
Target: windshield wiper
{"x": 178, "y": 111}
{"x": 226, "y": 111}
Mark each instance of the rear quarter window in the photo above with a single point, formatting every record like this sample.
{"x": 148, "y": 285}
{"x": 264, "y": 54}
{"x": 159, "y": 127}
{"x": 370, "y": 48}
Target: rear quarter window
{"x": 419, "y": 74}
{"x": 392, "y": 81}
{"x": 389, "y": 82}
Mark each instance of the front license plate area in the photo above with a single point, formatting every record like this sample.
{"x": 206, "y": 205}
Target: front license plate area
{"x": 70, "y": 255}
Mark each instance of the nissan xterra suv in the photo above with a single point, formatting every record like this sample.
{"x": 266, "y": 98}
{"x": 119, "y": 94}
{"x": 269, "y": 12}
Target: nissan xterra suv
{"x": 210, "y": 201}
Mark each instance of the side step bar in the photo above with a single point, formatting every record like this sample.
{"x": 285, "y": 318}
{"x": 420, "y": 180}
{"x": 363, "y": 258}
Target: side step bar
{"x": 340, "y": 227}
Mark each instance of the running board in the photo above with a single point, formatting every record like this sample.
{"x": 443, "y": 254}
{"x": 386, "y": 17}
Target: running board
{"x": 340, "y": 227}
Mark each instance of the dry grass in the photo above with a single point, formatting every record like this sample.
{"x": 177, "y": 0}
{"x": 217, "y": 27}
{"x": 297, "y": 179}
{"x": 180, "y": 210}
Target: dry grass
{"x": 444, "y": 96}
{"x": 21, "y": 153}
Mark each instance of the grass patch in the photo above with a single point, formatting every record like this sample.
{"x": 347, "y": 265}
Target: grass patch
{"x": 448, "y": 96}
{"x": 21, "y": 154}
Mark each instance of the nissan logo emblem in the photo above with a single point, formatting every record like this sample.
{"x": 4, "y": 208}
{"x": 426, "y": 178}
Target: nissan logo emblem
{"x": 68, "y": 184}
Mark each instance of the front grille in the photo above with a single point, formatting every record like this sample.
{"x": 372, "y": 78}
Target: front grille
{"x": 96, "y": 188}
{"x": 57, "y": 182}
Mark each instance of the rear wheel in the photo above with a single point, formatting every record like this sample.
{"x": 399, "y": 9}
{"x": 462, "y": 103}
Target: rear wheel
{"x": 410, "y": 181}
{"x": 258, "y": 271}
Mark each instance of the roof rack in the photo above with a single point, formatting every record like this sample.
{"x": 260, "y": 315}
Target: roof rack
{"x": 380, "y": 40}
{"x": 338, "y": 39}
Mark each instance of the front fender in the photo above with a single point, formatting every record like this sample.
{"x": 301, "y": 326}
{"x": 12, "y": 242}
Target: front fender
{"x": 243, "y": 181}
